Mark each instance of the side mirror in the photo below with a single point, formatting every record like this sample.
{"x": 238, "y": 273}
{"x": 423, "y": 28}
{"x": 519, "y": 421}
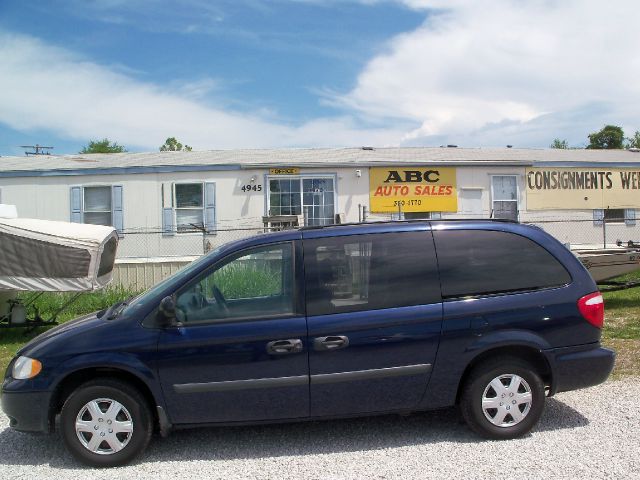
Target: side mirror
{"x": 167, "y": 310}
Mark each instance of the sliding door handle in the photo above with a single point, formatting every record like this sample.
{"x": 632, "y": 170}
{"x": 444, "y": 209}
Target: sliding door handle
{"x": 332, "y": 342}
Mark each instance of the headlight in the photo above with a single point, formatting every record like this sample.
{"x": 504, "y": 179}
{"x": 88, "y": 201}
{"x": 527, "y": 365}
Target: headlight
{"x": 25, "y": 367}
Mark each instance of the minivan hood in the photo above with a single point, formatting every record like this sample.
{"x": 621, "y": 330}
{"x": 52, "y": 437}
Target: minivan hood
{"x": 77, "y": 325}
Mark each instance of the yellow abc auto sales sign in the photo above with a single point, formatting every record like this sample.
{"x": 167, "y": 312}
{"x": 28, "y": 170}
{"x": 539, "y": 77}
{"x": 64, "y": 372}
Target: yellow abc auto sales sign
{"x": 413, "y": 189}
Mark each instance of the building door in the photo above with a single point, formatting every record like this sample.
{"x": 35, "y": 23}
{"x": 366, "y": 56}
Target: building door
{"x": 317, "y": 201}
{"x": 504, "y": 192}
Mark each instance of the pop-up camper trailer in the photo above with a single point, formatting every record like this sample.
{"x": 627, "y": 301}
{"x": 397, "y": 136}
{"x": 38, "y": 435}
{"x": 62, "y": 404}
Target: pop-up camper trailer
{"x": 48, "y": 256}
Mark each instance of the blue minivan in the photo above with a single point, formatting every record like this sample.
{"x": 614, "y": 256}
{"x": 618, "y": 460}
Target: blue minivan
{"x": 323, "y": 322}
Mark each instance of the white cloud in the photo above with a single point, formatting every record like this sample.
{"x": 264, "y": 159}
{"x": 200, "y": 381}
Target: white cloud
{"x": 475, "y": 65}
{"x": 82, "y": 100}
{"x": 485, "y": 73}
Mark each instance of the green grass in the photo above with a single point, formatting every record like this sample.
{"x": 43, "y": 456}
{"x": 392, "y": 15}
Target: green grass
{"x": 623, "y": 311}
{"x": 622, "y": 326}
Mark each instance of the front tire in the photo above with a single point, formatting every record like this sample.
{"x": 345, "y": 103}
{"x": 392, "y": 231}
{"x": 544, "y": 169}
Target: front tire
{"x": 105, "y": 423}
{"x": 503, "y": 398}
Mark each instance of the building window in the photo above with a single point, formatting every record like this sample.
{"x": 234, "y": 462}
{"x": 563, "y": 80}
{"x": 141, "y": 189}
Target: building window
{"x": 190, "y": 208}
{"x": 98, "y": 205}
{"x": 189, "y": 202}
{"x": 312, "y": 197}
{"x": 504, "y": 194}
{"x": 614, "y": 215}
{"x": 284, "y": 196}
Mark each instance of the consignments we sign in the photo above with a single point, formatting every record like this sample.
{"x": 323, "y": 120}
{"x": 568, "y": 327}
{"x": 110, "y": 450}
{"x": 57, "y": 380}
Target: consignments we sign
{"x": 582, "y": 188}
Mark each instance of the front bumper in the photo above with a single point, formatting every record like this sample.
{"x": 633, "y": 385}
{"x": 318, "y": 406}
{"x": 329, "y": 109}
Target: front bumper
{"x": 27, "y": 411}
{"x": 579, "y": 367}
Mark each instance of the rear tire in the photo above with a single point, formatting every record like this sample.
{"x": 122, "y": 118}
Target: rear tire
{"x": 105, "y": 423}
{"x": 502, "y": 398}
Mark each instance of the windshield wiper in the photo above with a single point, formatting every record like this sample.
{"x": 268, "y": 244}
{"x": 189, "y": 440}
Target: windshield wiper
{"x": 116, "y": 310}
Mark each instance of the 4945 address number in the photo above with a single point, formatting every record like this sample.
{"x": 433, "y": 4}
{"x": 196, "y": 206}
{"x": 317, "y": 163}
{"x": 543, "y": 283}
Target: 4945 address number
{"x": 251, "y": 188}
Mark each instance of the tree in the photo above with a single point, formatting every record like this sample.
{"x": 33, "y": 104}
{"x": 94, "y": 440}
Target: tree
{"x": 103, "y": 146}
{"x": 557, "y": 143}
{"x": 173, "y": 145}
{"x": 610, "y": 137}
{"x": 634, "y": 142}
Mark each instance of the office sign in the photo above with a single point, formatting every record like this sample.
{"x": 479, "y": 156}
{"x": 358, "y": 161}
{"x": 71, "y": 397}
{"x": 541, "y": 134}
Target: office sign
{"x": 284, "y": 171}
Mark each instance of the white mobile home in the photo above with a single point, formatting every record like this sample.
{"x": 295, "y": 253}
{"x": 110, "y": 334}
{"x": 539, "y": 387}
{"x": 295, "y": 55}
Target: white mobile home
{"x": 168, "y": 205}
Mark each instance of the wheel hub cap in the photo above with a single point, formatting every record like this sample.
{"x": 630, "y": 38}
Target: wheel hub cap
{"x": 506, "y": 400}
{"x": 104, "y": 426}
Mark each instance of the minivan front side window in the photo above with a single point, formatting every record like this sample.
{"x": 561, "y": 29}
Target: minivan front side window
{"x": 255, "y": 283}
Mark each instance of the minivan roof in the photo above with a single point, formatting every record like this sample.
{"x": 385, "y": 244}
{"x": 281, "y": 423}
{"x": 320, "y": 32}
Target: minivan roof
{"x": 361, "y": 228}
{"x": 394, "y": 222}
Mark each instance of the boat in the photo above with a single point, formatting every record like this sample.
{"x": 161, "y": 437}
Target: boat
{"x": 612, "y": 261}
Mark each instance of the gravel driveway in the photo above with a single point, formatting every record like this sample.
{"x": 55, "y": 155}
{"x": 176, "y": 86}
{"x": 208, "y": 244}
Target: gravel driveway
{"x": 592, "y": 433}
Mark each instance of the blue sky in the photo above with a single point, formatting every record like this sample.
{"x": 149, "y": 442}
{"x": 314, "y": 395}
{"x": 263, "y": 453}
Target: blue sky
{"x": 306, "y": 73}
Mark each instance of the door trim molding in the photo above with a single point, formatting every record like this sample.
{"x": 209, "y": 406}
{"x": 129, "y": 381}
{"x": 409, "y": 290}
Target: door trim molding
{"x": 374, "y": 373}
{"x": 299, "y": 380}
{"x": 242, "y": 384}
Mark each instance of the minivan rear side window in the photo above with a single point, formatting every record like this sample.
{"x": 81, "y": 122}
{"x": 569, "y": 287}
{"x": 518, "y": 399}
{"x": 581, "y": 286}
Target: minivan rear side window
{"x": 370, "y": 272}
{"x": 480, "y": 262}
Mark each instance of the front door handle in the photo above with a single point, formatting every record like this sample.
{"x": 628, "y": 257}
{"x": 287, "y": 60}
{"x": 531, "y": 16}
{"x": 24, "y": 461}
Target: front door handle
{"x": 332, "y": 342}
{"x": 282, "y": 347}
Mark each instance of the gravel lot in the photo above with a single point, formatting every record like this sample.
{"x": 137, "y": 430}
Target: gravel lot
{"x": 592, "y": 433}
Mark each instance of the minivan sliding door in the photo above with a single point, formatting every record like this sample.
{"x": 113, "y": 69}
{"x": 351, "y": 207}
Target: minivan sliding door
{"x": 374, "y": 315}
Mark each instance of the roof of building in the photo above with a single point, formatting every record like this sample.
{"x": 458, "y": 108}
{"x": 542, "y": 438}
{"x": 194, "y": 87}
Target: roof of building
{"x": 83, "y": 164}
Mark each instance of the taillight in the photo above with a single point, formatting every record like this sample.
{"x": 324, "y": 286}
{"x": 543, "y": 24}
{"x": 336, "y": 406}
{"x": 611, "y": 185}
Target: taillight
{"x": 592, "y": 308}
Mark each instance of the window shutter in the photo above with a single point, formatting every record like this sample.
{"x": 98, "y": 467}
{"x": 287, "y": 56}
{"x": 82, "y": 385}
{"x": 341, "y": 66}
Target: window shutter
{"x": 598, "y": 217}
{"x": 116, "y": 209}
{"x": 630, "y": 217}
{"x": 210, "y": 206}
{"x": 76, "y": 204}
{"x": 168, "y": 227}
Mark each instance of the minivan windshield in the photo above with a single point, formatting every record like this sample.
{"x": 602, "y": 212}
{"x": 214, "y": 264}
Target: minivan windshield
{"x": 174, "y": 280}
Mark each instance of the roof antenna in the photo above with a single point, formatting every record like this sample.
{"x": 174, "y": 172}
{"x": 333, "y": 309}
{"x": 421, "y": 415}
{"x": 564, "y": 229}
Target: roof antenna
{"x": 37, "y": 150}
